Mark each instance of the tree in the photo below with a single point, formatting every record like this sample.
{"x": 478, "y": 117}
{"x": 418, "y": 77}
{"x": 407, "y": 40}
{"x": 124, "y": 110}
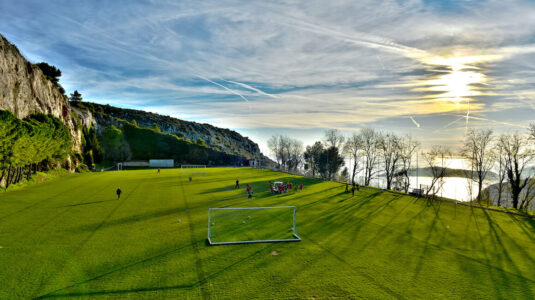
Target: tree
{"x": 51, "y": 72}
{"x": 112, "y": 137}
{"x": 295, "y": 154}
{"x": 353, "y": 148}
{"x": 517, "y": 156}
{"x": 330, "y": 162}
{"x": 437, "y": 159}
{"x": 76, "y": 97}
{"x": 408, "y": 147}
{"x": 369, "y": 143}
{"x": 502, "y": 170}
{"x": 333, "y": 138}
{"x": 389, "y": 149}
{"x": 312, "y": 157}
{"x": 478, "y": 151}
{"x": 344, "y": 174}
{"x": 276, "y": 148}
{"x": 200, "y": 142}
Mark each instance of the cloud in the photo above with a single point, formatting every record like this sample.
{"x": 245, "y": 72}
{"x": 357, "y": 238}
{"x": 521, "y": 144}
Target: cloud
{"x": 306, "y": 65}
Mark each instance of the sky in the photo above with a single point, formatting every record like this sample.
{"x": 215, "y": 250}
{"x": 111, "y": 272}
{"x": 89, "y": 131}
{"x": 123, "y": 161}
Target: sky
{"x": 430, "y": 69}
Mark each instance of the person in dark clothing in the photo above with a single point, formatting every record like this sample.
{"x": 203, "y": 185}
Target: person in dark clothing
{"x": 237, "y": 184}
{"x": 357, "y": 186}
{"x": 347, "y": 187}
{"x": 119, "y": 193}
{"x": 353, "y": 191}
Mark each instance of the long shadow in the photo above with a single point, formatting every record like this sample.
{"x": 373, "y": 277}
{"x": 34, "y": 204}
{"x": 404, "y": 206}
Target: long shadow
{"x": 196, "y": 252}
{"x": 87, "y": 203}
{"x": 94, "y": 231}
{"x": 346, "y": 263}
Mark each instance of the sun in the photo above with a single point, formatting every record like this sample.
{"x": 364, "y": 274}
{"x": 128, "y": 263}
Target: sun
{"x": 459, "y": 83}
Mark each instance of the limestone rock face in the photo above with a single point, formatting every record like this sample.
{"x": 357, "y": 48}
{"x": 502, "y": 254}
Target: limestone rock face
{"x": 25, "y": 90}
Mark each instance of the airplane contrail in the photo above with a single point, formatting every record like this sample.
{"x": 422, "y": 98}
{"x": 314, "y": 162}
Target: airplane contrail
{"x": 226, "y": 88}
{"x": 414, "y": 121}
{"x": 252, "y": 88}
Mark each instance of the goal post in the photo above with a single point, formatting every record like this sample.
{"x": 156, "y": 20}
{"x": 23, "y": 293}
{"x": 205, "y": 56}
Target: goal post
{"x": 192, "y": 169}
{"x": 241, "y": 225}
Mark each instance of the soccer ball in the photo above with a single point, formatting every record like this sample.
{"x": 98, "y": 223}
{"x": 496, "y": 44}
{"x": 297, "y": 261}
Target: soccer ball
{"x": 248, "y": 217}
{"x": 243, "y": 222}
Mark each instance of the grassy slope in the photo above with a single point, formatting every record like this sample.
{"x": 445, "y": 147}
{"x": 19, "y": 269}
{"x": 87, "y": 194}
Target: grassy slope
{"x": 71, "y": 237}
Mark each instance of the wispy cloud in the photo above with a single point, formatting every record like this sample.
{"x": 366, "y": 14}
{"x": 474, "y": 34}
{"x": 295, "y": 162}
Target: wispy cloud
{"x": 306, "y": 65}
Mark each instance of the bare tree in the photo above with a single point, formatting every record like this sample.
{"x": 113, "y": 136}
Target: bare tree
{"x": 408, "y": 148}
{"x": 333, "y": 138}
{"x": 517, "y": 156}
{"x": 275, "y": 147}
{"x": 295, "y": 157}
{"x": 369, "y": 147}
{"x": 502, "y": 171}
{"x": 437, "y": 159}
{"x": 478, "y": 151}
{"x": 529, "y": 194}
{"x": 353, "y": 148}
{"x": 389, "y": 149}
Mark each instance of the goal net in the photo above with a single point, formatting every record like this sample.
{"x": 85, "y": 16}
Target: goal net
{"x": 192, "y": 169}
{"x": 252, "y": 225}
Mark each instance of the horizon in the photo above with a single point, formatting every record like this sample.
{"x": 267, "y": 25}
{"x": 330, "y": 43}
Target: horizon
{"x": 430, "y": 69}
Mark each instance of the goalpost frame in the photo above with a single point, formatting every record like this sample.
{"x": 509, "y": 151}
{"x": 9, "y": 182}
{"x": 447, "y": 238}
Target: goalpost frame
{"x": 193, "y": 167}
{"x": 295, "y": 239}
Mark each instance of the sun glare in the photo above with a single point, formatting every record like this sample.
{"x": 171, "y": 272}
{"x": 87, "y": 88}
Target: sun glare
{"x": 459, "y": 83}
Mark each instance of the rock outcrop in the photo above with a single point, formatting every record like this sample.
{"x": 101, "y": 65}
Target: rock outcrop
{"x": 25, "y": 90}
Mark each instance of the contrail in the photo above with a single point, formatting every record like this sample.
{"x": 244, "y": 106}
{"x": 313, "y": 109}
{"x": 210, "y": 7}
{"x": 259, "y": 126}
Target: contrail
{"x": 252, "y": 88}
{"x": 226, "y": 88}
{"x": 414, "y": 121}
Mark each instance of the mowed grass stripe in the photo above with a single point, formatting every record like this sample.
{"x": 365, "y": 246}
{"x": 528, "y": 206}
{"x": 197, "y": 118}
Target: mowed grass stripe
{"x": 376, "y": 245}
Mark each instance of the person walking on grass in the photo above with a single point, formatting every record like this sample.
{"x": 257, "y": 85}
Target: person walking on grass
{"x": 301, "y": 187}
{"x": 190, "y": 179}
{"x": 118, "y": 192}
{"x": 237, "y": 186}
{"x": 158, "y": 170}
{"x": 353, "y": 191}
{"x": 347, "y": 187}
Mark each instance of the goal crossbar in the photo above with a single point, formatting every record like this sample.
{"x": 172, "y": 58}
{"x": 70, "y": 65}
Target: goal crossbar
{"x": 295, "y": 236}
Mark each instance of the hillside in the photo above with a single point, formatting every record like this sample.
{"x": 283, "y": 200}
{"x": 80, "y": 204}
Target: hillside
{"x": 72, "y": 238}
{"x": 222, "y": 140}
{"x": 225, "y": 140}
{"x": 26, "y": 90}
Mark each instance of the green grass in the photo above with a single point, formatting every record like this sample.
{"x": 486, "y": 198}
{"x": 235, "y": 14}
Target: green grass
{"x": 72, "y": 238}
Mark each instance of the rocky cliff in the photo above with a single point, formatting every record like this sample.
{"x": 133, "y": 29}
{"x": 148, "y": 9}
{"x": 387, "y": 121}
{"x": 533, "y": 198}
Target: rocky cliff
{"x": 225, "y": 140}
{"x": 25, "y": 90}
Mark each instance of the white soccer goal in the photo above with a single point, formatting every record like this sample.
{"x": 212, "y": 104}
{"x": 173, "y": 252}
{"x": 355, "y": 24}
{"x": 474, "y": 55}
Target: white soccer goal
{"x": 192, "y": 169}
{"x": 240, "y": 225}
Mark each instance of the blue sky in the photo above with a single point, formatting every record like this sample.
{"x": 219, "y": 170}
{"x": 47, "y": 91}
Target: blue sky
{"x": 430, "y": 69}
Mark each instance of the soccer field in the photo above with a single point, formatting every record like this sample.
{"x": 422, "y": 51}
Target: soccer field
{"x": 71, "y": 237}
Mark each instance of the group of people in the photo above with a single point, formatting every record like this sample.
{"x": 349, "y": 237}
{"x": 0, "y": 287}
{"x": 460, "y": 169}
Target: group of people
{"x": 284, "y": 187}
{"x": 274, "y": 187}
{"x": 354, "y": 186}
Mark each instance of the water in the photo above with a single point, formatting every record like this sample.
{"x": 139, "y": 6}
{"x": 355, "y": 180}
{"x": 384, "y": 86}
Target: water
{"x": 458, "y": 188}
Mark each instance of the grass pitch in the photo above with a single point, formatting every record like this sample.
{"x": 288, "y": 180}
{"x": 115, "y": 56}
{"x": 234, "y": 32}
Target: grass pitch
{"x": 72, "y": 237}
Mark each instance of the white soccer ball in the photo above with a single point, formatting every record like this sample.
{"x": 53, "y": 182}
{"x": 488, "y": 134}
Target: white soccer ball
{"x": 248, "y": 217}
{"x": 213, "y": 223}
{"x": 243, "y": 222}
